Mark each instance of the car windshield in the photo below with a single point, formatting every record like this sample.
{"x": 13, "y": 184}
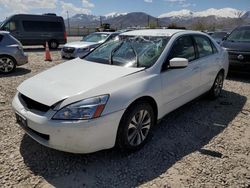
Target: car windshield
{"x": 241, "y": 34}
{"x": 129, "y": 51}
{"x": 95, "y": 37}
{"x": 219, "y": 35}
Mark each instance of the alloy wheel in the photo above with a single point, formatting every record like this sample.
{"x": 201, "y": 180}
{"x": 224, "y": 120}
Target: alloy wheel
{"x": 218, "y": 84}
{"x": 6, "y": 64}
{"x": 139, "y": 127}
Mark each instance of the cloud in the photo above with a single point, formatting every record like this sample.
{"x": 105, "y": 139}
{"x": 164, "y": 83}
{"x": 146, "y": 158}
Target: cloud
{"x": 87, "y": 4}
{"x": 148, "y": 1}
{"x": 175, "y": 1}
{"x": 24, "y": 6}
{"x": 185, "y": 5}
{"x": 72, "y": 9}
{"x": 9, "y": 7}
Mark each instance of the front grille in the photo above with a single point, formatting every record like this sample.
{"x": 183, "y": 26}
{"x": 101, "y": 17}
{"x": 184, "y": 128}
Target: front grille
{"x": 34, "y": 105}
{"x": 68, "y": 49}
{"x": 234, "y": 55}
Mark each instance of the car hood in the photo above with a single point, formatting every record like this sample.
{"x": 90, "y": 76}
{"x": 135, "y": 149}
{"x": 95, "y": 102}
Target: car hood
{"x": 80, "y": 44}
{"x": 236, "y": 46}
{"x": 70, "y": 79}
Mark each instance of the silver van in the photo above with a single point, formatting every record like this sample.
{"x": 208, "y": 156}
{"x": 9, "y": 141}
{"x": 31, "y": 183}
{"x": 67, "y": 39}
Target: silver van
{"x": 36, "y": 29}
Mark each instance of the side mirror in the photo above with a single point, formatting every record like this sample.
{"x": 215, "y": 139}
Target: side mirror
{"x": 177, "y": 62}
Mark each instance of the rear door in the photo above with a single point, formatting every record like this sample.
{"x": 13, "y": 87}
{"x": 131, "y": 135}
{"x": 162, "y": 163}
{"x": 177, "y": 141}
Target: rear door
{"x": 181, "y": 85}
{"x": 208, "y": 59}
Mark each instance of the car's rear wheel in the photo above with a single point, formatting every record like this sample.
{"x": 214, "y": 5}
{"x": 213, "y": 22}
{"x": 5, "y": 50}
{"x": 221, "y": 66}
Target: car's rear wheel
{"x": 53, "y": 44}
{"x": 135, "y": 126}
{"x": 217, "y": 86}
{"x": 7, "y": 64}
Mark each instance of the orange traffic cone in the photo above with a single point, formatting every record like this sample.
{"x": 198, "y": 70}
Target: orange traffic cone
{"x": 47, "y": 53}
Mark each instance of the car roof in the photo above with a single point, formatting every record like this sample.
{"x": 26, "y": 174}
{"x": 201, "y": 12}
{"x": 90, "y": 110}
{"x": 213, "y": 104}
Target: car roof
{"x": 154, "y": 32}
{"x": 104, "y": 32}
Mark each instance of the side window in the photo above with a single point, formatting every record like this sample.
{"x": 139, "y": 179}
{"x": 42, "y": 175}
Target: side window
{"x": 42, "y": 26}
{"x": 10, "y": 26}
{"x": 203, "y": 45}
{"x": 184, "y": 48}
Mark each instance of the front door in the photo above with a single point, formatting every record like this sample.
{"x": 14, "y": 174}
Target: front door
{"x": 180, "y": 85}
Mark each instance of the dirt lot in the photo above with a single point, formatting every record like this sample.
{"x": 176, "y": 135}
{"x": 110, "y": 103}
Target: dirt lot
{"x": 203, "y": 144}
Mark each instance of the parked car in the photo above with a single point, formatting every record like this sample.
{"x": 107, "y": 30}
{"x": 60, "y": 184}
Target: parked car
{"x": 238, "y": 46}
{"x": 116, "y": 94}
{"x": 219, "y": 36}
{"x": 88, "y": 43}
{"x": 11, "y": 53}
{"x": 36, "y": 29}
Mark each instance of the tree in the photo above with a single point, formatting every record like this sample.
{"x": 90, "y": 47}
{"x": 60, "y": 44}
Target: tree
{"x": 200, "y": 26}
{"x": 152, "y": 25}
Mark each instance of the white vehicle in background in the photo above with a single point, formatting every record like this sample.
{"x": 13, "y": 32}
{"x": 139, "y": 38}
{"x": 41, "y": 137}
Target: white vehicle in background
{"x": 88, "y": 43}
{"x": 116, "y": 94}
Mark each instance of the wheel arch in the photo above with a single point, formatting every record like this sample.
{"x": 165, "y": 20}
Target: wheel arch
{"x": 8, "y": 55}
{"x": 150, "y": 100}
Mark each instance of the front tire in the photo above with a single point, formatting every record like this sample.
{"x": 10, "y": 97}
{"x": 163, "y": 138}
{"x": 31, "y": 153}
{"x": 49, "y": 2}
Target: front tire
{"x": 7, "y": 64}
{"x": 135, "y": 127}
{"x": 216, "y": 89}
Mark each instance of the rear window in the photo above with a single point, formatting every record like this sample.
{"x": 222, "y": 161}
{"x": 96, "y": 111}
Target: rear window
{"x": 41, "y": 26}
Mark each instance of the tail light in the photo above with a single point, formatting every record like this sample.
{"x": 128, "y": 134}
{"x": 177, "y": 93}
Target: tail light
{"x": 65, "y": 36}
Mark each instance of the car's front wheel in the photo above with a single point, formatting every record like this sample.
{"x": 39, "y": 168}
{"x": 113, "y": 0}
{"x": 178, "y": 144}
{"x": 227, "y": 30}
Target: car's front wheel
{"x": 135, "y": 126}
{"x": 217, "y": 86}
{"x": 7, "y": 64}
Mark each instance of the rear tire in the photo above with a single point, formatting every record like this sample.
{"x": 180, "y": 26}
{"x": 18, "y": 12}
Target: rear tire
{"x": 216, "y": 89}
{"x": 7, "y": 64}
{"x": 135, "y": 127}
{"x": 53, "y": 44}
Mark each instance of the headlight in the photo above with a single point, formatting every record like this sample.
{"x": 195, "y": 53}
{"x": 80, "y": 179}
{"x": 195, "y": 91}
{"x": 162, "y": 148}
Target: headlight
{"x": 82, "y": 110}
{"x": 82, "y": 49}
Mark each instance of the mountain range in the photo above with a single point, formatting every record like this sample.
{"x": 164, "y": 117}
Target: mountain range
{"x": 219, "y": 18}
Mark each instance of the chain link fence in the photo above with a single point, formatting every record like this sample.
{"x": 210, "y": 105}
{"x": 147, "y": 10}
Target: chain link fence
{"x": 79, "y": 31}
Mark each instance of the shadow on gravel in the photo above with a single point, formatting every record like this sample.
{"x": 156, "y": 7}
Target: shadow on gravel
{"x": 181, "y": 133}
{"x": 239, "y": 76}
{"x": 18, "y": 72}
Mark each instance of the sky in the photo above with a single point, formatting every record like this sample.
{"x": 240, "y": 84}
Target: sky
{"x": 103, "y": 7}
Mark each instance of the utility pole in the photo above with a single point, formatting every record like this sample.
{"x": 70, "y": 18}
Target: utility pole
{"x": 100, "y": 21}
{"x": 68, "y": 23}
{"x": 148, "y": 20}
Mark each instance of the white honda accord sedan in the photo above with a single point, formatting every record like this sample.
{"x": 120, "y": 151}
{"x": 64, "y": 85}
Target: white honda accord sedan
{"x": 116, "y": 94}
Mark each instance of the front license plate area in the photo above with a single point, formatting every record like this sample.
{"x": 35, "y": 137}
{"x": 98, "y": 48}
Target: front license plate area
{"x": 21, "y": 121}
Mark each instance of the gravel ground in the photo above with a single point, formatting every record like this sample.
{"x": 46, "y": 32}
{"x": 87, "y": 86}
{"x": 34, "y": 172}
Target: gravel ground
{"x": 202, "y": 144}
